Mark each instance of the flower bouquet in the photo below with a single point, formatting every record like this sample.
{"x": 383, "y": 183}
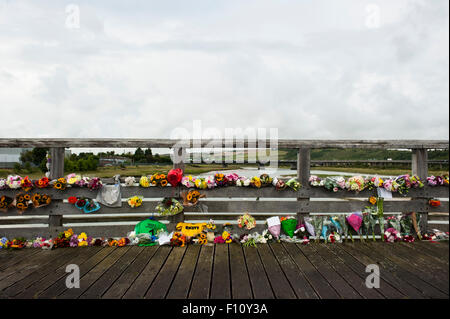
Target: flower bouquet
{"x": 60, "y": 184}
{"x": 334, "y": 183}
{"x": 355, "y": 220}
{"x": 404, "y": 184}
{"x": 435, "y": 180}
{"x": 169, "y": 207}
{"x": 246, "y": 221}
{"x": 159, "y": 180}
{"x": 22, "y": 202}
{"x": 39, "y": 200}
{"x": 135, "y": 201}
{"x": 355, "y": 183}
{"x": 42, "y": 182}
{"x": 200, "y": 183}
{"x": 91, "y": 206}
{"x": 220, "y": 179}
{"x": 188, "y": 181}
{"x": 174, "y": 176}
{"x": 416, "y": 182}
{"x": 255, "y": 182}
{"x": 315, "y": 181}
{"x": 380, "y": 214}
{"x": 130, "y": 181}
{"x": 232, "y": 179}
{"x": 14, "y": 181}
{"x": 279, "y": 184}
{"x": 394, "y": 222}
{"x": 266, "y": 180}
{"x": 317, "y": 223}
{"x": 274, "y": 226}
{"x": 293, "y": 184}
{"x": 83, "y": 182}
{"x": 391, "y": 235}
{"x": 3, "y": 184}
{"x": 144, "y": 181}
{"x": 343, "y": 222}
{"x": 95, "y": 183}
{"x": 289, "y": 225}
{"x": 73, "y": 179}
{"x": 6, "y": 202}
{"x": 26, "y": 184}
{"x": 434, "y": 202}
{"x": 191, "y": 197}
{"x": 243, "y": 182}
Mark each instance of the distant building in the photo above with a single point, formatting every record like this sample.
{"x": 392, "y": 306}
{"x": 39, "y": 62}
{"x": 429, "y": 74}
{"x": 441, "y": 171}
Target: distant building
{"x": 112, "y": 161}
{"x": 10, "y": 156}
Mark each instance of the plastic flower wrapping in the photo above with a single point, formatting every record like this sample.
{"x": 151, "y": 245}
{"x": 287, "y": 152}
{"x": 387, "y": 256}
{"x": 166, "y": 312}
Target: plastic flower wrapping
{"x": 188, "y": 181}
{"x": 289, "y": 225}
{"x": 266, "y": 180}
{"x": 174, "y": 176}
{"x": 42, "y": 182}
{"x": 40, "y": 200}
{"x": 135, "y": 201}
{"x": 6, "y": 202}
{"x": 294, "y": 184}
{"x": 315, "y": 181}
{"x": 169, "y": 207}
{"x": 144, "y": 181}
{"x": 73, "y": 179}
{"x": 438, "y": 180}
{"x": 334, "y": 183}
{"x": 279, "y": 184}
{"x": 26, "y": 184}
{"x": 274, "y": 226}
{"x": 232, "y": 179}
{"x": 243, "y": 182}
{"x": 246, "y": 221}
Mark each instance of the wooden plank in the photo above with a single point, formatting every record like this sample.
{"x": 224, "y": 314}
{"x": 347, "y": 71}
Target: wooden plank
{"x": 343, "y": 288}
{"x": 317, "y": 281}
{"x": 94, "y": 274}
{"x": 146, "y": 277}
{"x": 59, "y": 286}
{"x": 240, "y": 282}
{"x": 405, "y": 280}
{"x": 225, "y": 192}
{"x": 280, "y": 285}
{"x": 354, "y": 280}
{"x": 162, "y": 282}
{"x": 47, "y": 267}
{"x": 121, "y": 285}
{"x": 388, "y": 291}
{"x": 437, "y": 278}
{"x": 297, "y": 279}
{"x": 182, "y": 283}
{"x": 257, "y": 275}
{"x": 428, "y": 249}
{"x": 169, "y": 143}
{"x": 11, "y": 258}
{"x": 221, "y": 281}
{"x": 100, "y": 286}
{"x": 79, "y": 256}
{"x": 201, "y": 281}
{"x": 25, "y": 263}
{"x": 27, "y": 268}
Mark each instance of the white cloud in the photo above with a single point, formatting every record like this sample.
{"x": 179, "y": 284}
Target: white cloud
{"x": 311, "y": 69}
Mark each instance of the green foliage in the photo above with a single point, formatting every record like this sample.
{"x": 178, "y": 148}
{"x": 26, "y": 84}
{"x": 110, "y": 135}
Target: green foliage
{"x": 81, "y": 162}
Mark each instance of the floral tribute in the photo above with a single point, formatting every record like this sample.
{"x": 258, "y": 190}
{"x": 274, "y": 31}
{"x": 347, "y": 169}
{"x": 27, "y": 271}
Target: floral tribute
{"x": 135, "y": 201}
{"x": 246, "y": 221}
{"x": 159, "y": 180}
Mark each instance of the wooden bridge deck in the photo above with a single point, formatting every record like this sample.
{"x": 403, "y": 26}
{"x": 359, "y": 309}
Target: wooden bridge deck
{"x": 417, "y": 270}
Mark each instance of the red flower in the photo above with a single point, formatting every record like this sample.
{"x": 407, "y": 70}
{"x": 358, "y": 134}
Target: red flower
{"x": 174, "y": 176}
{"x": 72, "y": 199}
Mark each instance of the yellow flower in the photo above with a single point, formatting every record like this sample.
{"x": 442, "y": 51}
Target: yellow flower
{"x": 372, "y": 200}
{"x": 82, "y": 243}
{"x": 68, "y": 233}
{"x": 82, "y": 236}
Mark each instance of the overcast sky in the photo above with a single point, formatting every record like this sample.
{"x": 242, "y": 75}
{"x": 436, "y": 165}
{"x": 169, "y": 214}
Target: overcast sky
{"x": 312, "y": 69}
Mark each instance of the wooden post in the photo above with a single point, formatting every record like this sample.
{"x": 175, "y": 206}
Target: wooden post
{"x": 420, "y": 168}
{"x": 56, "y": 162}
{"x": 178, "y": 163}
{"x": 303, "y": 173}
{"x": 55, "y": 223}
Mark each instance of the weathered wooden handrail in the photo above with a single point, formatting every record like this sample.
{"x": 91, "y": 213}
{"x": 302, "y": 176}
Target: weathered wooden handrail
{"x": 218, "y": 202}
{"x": 169, "y": 143}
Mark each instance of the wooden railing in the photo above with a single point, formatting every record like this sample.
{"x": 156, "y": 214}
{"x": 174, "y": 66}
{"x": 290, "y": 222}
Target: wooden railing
{"x": 223, "y": 204}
